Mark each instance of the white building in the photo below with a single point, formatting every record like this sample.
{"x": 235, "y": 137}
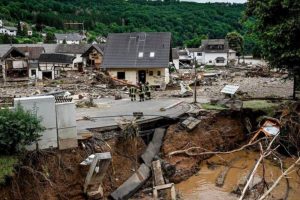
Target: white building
{"x": 7, "y": 30}
{"x": 69, "y": 38}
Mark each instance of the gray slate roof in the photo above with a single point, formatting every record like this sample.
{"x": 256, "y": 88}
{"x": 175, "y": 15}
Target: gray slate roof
{"x": 122, "y": 50}
{"x": 49, "y": 48}
{"x": 206, "y": 43}
{"x": 68, "y": 36}
{"x": 72, "y": 48}
{"x": 56, "y": 58}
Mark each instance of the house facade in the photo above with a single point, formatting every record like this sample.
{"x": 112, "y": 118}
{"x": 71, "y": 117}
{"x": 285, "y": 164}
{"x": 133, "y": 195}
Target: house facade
{"x": 7, "y": 30}
{"x": 14, "y": 65}
{"x": 50, "y": 65}
{"x": 138, "y": 57}
{"x": 93, "y": 56}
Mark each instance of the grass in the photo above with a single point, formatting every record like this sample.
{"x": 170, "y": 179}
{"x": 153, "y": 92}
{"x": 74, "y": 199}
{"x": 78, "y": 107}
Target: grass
{"x": 7, "y": 167}
{"x": 266, "y": 106}
{"x": 208, "y": 106}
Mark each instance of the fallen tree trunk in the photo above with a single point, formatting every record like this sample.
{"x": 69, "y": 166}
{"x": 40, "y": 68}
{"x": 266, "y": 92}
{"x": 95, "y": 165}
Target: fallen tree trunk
{"x": 186, "y": 151}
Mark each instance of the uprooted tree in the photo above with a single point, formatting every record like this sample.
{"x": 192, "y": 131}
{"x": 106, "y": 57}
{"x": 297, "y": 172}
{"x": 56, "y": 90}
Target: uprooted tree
{"x": 18, "y": 128}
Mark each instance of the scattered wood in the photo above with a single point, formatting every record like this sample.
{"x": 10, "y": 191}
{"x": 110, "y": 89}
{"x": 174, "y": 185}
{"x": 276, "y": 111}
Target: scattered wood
{"x": 164, "y": 187}
{"x": 264, "y": 153}
{"x": 189, "y": 151}
{"x": 284, "y": 174}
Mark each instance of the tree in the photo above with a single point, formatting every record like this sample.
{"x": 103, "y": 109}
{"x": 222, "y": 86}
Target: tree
{"x": 195, "y": 42}
{"x": 277, "y": 25}
{"x": 17, "y": 129}
{"x": 236, "y": 42}
{"x": 50, "y": 38}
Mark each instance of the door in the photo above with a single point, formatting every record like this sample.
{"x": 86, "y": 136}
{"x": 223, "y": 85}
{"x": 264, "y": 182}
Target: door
{"x": 142, "y": 76}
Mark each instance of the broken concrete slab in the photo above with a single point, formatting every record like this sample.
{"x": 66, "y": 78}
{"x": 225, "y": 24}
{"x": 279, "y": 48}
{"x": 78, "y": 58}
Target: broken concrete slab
{"x": 154, "y": 146}
{"x": 157, "y": 173}
{"x": 129, "y": 187}
{"x": 190, "y": 123}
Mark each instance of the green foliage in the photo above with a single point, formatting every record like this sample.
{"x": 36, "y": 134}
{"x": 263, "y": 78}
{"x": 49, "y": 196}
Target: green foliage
{"x": 208, "y": 106}
{"x": 17, "y": 129}
{"x": 50, "y": 38}
{"x": 186, "y": 20}
{"x": 236, "y": 42}
{"x": 263, "y": 105}
{"x": 6, "y": 39}
{"x": 196, "y": 42}
{"x": 277, "y": 26}
{"x": 7, "y": 167}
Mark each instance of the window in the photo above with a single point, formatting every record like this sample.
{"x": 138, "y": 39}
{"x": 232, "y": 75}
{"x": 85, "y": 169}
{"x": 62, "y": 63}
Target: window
{"x": 150, "y": 73}
{"x": 33, "y": 72}
{"x": 152, "y": 54}
{"x": 210, "y": 61}
{"x": 141, "y": 54}
{"x": 199, "y": 54}
{"x": 121, "y": 75}
{"x": 220, "y": 61}
{"x": 158, "y": 73}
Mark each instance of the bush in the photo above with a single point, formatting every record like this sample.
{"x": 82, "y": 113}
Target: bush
{"x": 17, "y": 129}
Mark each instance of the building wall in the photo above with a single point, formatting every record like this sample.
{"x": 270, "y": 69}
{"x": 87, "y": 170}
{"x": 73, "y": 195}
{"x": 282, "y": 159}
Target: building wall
{"x": 131, "y": 75}
{"x": 8, "y": 32}
{"x": 68, "y": 42}
{"x": 176, "y": 63}
{"x": 212, "y": 57}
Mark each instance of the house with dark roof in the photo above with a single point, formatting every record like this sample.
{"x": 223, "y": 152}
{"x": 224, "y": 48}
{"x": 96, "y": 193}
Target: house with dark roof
{"x": 68, "y": 38}
{"x": 50, "y": 65}
{"x": 73, "y": 50}
{"x": 138, "y": 57}
{"x": 93, "y": 56}
{"x": 215, "y": 52}
{"x": 14, "y": 64}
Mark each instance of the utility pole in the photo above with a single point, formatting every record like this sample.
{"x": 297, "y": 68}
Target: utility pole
{"x": 195, "y": 84}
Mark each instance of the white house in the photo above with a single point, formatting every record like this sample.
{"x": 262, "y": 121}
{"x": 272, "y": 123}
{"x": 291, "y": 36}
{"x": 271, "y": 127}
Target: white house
{"x": 69, "y": 38}
{"x": 11, "y": 31}
{"x": 215, "y": 52}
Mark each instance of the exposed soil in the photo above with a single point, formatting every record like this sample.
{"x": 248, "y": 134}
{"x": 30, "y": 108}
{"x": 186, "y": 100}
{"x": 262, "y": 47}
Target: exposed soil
{"x": 222, "y": 131}
{"x": 65, "y": 177}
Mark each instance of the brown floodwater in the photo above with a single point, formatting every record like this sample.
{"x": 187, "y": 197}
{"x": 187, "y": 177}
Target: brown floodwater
{"x": 202, "y": 185}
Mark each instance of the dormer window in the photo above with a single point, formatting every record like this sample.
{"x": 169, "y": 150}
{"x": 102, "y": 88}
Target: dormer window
{"x": 141, "y": 54}
{"x": 152, "y": 54}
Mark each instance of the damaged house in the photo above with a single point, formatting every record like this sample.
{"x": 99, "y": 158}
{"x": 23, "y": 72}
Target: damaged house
{"x": 50, "y": 65}
{"x": 93, "y": 56}
{"x": 14, "y": 64}
{"x": 139, "y": 57}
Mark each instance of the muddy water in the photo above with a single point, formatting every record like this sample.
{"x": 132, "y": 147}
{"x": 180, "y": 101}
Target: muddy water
{"x": 202, "y": 185}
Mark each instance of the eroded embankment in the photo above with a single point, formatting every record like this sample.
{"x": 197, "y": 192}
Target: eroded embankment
{"x": 52, "y": 175}
{"x": 222, "y": 131}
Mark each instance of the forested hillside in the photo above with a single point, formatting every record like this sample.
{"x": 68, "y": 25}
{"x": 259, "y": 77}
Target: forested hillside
{"x": 185, "y": 20}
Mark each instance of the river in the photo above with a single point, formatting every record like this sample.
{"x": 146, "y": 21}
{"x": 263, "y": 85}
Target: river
{"x": 202, "y": 185}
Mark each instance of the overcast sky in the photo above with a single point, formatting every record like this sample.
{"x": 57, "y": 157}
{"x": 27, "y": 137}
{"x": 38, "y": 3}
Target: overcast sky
{"x": 232, "y": 1}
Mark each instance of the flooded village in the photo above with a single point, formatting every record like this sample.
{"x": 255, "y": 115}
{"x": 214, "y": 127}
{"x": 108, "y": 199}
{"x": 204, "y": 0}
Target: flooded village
{"x": 139, "y": 115}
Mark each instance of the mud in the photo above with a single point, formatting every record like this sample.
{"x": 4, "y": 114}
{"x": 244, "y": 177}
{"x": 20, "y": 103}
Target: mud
{"x": 222, "y": 131}
{"x": 65, "y": 177}
{"x": 202, "y": 184}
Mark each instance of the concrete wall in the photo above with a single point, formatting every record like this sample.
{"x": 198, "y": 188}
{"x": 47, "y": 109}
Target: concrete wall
{"x": 44, "y": 108}
{"x": 66, "y": 125}
{"x": 131, "y": 75}
{"x": 58, "y": 119}
{"x": 176, "y": 63}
